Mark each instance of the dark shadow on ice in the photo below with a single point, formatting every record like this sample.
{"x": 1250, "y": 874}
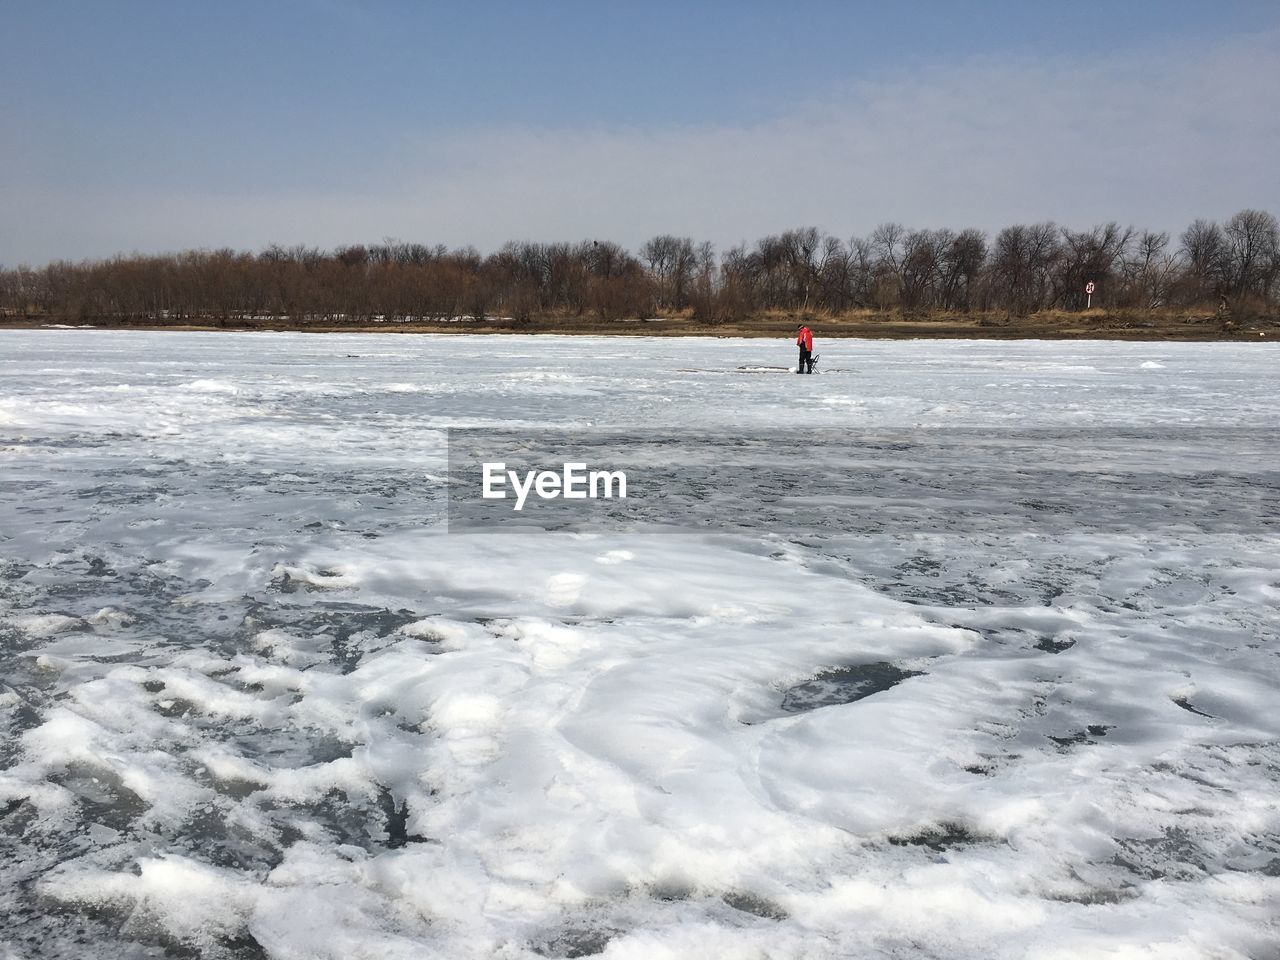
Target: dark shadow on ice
{"x": 838, "y": 685}
{"x": 322, "y": 580}
{"x": 396, "y": 821}
{"x": 1085, "y": 736}
{"x": 1097, "y": 896}
{"x": 1173, "y": 855}
{"x": 349, "y": 631}
{"x": 1185, "y": 704}
{"x": 1054, "y": 645}
{"x": 755, "y": 905}
{"x": 574, "y": 942}
{"x": 101, "y": 796}
{"x": 375, "y": 824}
{"x": 939, "y": 838}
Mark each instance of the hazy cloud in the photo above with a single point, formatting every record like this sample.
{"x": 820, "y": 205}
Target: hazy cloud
{"x": 1156, "y": 140}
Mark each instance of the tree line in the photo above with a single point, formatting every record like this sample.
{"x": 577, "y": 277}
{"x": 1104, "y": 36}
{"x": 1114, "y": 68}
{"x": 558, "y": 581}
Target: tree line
{"x": 1022, "y": 270}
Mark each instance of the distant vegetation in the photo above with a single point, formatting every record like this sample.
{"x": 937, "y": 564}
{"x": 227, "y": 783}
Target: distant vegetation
{"x": 1229, "y": 268}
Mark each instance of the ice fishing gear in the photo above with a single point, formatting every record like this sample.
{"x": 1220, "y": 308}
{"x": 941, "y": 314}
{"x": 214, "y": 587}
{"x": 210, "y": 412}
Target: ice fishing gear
{"x": 809, "y": 363}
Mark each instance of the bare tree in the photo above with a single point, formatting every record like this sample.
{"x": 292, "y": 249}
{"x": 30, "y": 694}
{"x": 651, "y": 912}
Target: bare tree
{"x": 1252, "y": 241}
{"x": 887, "y": 241}
{"x": 1148, "y": 271}
{"x": 1205, "y": 253}
{"x": 1022, "y": 264}
{"x": 672, "y": 262}
{"x": 961, "y": 269}
{"x": 1089, "y": 256}
{"x": 1025, "y": 268}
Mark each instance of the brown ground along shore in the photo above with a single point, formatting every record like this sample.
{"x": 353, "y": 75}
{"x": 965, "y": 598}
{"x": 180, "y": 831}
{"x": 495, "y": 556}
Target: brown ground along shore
{"x": 1098, "y": 324}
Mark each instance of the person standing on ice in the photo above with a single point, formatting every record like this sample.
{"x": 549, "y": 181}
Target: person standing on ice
{"x": 804, "y": 340}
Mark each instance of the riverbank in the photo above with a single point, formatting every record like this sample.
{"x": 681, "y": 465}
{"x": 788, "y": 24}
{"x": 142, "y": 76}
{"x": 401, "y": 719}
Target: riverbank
{"x": 872, "y": 325}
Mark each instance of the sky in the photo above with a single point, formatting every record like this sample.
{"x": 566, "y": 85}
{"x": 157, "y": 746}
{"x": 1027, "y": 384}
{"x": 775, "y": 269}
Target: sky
{"x": 158, "y": 126}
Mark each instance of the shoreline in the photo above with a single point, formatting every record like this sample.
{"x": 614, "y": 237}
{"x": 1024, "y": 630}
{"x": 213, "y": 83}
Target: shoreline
{"x": 1071, "y": 327}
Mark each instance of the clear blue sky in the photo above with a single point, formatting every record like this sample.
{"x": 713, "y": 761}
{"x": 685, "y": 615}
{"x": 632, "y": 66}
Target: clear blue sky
{"x": 149, "y": 125}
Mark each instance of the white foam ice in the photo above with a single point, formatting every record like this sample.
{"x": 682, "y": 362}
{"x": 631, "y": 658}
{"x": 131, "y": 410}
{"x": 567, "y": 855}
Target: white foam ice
{"x": 258, "y": 703}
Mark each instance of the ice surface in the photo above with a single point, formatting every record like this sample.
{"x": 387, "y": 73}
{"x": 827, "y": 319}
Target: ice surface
{"x": 256, "y": 703}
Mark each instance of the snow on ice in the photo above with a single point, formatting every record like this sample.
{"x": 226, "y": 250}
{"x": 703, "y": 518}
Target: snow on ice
{"x": 258, "y": 703}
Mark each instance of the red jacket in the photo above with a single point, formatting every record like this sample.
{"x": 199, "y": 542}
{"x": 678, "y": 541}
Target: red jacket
{"x": 805, "y": 339}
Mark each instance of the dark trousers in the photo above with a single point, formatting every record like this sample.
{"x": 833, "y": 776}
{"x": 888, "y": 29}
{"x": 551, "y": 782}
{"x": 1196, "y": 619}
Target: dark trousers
{"x": 806, "y": 364}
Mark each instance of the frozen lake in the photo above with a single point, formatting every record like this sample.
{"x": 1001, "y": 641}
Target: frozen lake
{"x": 256, "y": 701}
